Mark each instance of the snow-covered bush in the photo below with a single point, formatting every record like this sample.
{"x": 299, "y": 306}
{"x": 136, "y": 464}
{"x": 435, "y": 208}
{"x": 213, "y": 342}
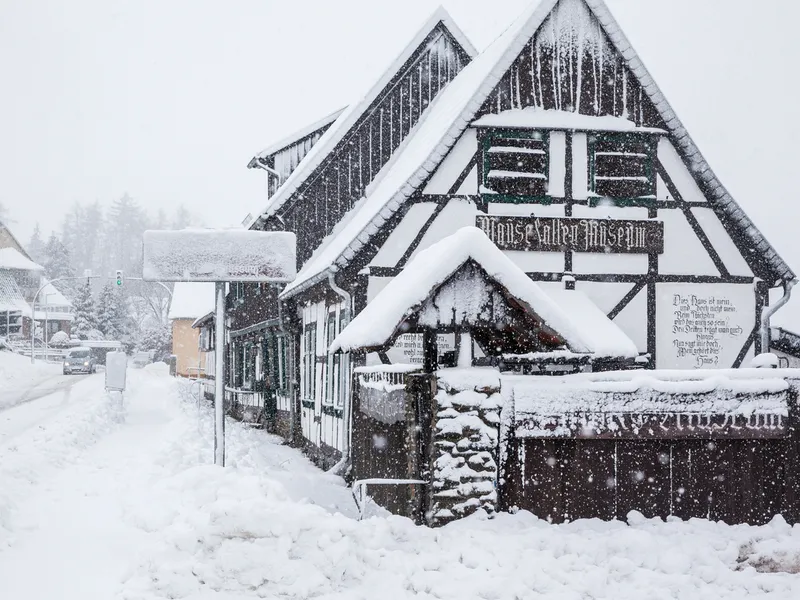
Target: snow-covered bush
{"x": 59, "y": 339}
{"x": 157, "y": 339}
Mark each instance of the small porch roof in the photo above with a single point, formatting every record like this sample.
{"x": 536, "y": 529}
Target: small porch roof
{"x": 583, "y": 326}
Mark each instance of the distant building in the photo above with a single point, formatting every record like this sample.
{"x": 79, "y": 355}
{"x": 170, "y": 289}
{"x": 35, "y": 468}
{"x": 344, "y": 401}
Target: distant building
{"x": 20, "y": 279}
{"x": 189, "y": 302}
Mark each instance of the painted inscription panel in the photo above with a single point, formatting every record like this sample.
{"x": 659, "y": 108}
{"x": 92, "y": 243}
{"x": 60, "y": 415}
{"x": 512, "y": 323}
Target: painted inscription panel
{"x": 702, "y": 325}
{"x": 556, "y": 234}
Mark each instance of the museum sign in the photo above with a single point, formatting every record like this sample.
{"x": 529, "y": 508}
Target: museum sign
{"x": 557, "y": 234}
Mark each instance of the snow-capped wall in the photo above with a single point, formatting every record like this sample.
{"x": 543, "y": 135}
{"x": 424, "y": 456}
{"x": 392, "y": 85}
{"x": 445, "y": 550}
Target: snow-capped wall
{"x": 465, "y": 444}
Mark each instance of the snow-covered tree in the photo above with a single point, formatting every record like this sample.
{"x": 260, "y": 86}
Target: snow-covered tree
{"x": 57, "y": 264}
{"x": 112, "y": 318}
{"x": 36, "y": 246}
{"x": 85, "y": 315}
{"x": 158, "y": 338}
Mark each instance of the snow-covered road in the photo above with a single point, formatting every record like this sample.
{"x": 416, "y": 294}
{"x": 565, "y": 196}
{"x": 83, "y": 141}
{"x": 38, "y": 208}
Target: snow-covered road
{"x": 95, "y": 507}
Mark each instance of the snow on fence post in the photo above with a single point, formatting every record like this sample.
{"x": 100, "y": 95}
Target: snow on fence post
{"x": 222, "y": 256}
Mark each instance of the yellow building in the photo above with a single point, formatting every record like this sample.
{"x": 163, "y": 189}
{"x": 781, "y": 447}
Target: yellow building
{"x": 189, "y": 301}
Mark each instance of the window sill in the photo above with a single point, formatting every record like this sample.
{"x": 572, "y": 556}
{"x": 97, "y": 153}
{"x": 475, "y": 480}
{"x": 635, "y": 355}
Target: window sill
{"x": 601, "y": 201}
{"x": 510, "y": 199}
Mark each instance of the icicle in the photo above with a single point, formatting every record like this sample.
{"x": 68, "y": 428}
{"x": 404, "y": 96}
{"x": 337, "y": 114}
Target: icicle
{"x": 624, "y": 92}
{"x": 579, "y": 82}
{"x": 614, "y": 87}
{"x": 519, "y": 96}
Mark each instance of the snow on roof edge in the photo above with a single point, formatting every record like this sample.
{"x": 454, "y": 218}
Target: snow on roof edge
{"x": 687, "y": 148}
{"x": 295, "y": 136}
{"x": 375, "y": 325}
{"x": 342, "y": 125}
{"x": 315, "y": 273}
{"x": 312, "y": 273}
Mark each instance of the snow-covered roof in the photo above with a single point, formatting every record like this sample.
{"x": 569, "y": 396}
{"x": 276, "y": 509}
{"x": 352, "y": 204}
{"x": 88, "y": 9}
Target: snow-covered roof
{"x": 587, "y": 331}
{"x": 351, "y": 115}
{"x": 203, "y": 319}
{"x": 11, "y": 298}
{"x": 191, "y": 300}
{"x": 296, "y": 136}
{"x": 455, "y": 108}
{"x": 11, "y": 258}
{"x": 50, "y": 296}
{"x": 536, "y": 118}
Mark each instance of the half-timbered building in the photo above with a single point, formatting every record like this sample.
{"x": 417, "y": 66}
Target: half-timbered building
{"x": 558, "y": 145}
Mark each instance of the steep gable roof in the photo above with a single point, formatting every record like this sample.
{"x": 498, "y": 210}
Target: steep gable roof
{"x": 456, "y": 107}
{"x": 11, "y": 258}
{"x": 16, "y": 244}
{"x": 295, "y": 137}
{"x": 584, "y": 327}
{"x": 351, "y": 115}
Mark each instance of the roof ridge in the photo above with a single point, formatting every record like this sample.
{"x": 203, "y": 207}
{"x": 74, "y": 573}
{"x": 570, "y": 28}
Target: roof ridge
{"x": 526, "y": 26}
{"x": 351, "y": 115}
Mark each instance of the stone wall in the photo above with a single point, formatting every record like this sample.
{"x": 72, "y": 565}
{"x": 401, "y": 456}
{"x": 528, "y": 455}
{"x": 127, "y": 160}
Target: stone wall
{"x": 465, "y": 444}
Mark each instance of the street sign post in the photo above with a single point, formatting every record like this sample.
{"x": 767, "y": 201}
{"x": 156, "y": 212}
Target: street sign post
{"x": 116, "y": 371}
{"x": 222, "y": 256}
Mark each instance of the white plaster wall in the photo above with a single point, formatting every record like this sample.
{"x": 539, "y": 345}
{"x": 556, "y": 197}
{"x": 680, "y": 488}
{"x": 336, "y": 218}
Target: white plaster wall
{"x": 401, "y": 237}
{"x": 681, "y": 176}
{"x": 684, "y": 254}
{"x": 454, "y": 163}
{"x": 721, "y": 241}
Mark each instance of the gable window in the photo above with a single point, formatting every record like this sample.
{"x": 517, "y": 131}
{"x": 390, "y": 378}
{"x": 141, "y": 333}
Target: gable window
{"x": 515, "y": 164}
{"x": 621, "y": 166}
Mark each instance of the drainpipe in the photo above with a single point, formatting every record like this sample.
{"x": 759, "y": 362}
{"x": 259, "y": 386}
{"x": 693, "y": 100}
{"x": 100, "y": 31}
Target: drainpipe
{"x": 340, "y": 467}
{"x": 768, "y": 311}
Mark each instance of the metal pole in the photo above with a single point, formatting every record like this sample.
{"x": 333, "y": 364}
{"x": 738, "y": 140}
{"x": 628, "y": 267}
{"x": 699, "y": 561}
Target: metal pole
{"x": 219, "y": 377}
{"x": 46, "y": 296}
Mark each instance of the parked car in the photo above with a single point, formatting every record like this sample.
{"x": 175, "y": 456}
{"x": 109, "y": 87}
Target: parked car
{"x": 142, "y": 359}
{"x": 79, "y": 360}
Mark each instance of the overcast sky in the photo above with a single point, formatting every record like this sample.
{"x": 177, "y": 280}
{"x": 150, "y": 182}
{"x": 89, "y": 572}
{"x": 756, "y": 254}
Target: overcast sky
{"x": 168, "y": 100}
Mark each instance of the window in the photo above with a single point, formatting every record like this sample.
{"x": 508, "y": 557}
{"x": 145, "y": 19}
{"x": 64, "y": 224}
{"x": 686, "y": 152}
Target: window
{"x": 281, "y": 364}
{"x": 515, "y": 164}
{"x": 342, "y": 366}
{"x": 309, "y": 361}
{"x": 622, "y": 166}
{"x": 332, "y": 375}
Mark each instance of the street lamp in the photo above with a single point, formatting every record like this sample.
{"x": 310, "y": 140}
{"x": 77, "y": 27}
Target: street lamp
{"x": 46, "y": 314}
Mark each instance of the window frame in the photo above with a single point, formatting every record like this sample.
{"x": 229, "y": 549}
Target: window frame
{"x": 309, "y": 362}
{"x": 486, "y": 138}
{"x": 648, "y": 139}
{"x": 329, "y": 399}
{"x": 342, "y": 366}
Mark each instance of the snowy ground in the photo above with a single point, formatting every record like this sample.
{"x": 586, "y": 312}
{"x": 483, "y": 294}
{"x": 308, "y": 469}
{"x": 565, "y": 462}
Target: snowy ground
{"x": 94, "y": 507}
{"x": 21, "y": 381}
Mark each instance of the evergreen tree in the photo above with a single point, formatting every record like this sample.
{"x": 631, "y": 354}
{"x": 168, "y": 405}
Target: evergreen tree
{"x": 157, "y": 338}
{"x": 85, "y": 315}
{"x": 182, "y": 218}
{"x": 57, "y": 264}
{"x": 36, "y": 247}
{"x": 111, "y": 314}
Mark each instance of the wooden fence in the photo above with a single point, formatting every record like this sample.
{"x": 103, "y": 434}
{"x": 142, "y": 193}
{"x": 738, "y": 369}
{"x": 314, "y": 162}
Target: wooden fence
{"x": 732, "y": 480}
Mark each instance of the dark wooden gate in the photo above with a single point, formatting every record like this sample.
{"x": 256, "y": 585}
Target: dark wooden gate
{"x": 391, "y": 437}
{"x": 731, "y": 480}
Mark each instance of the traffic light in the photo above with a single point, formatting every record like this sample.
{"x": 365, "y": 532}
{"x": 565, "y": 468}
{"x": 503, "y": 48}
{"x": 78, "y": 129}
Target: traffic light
{"x": 119, "y": 278}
